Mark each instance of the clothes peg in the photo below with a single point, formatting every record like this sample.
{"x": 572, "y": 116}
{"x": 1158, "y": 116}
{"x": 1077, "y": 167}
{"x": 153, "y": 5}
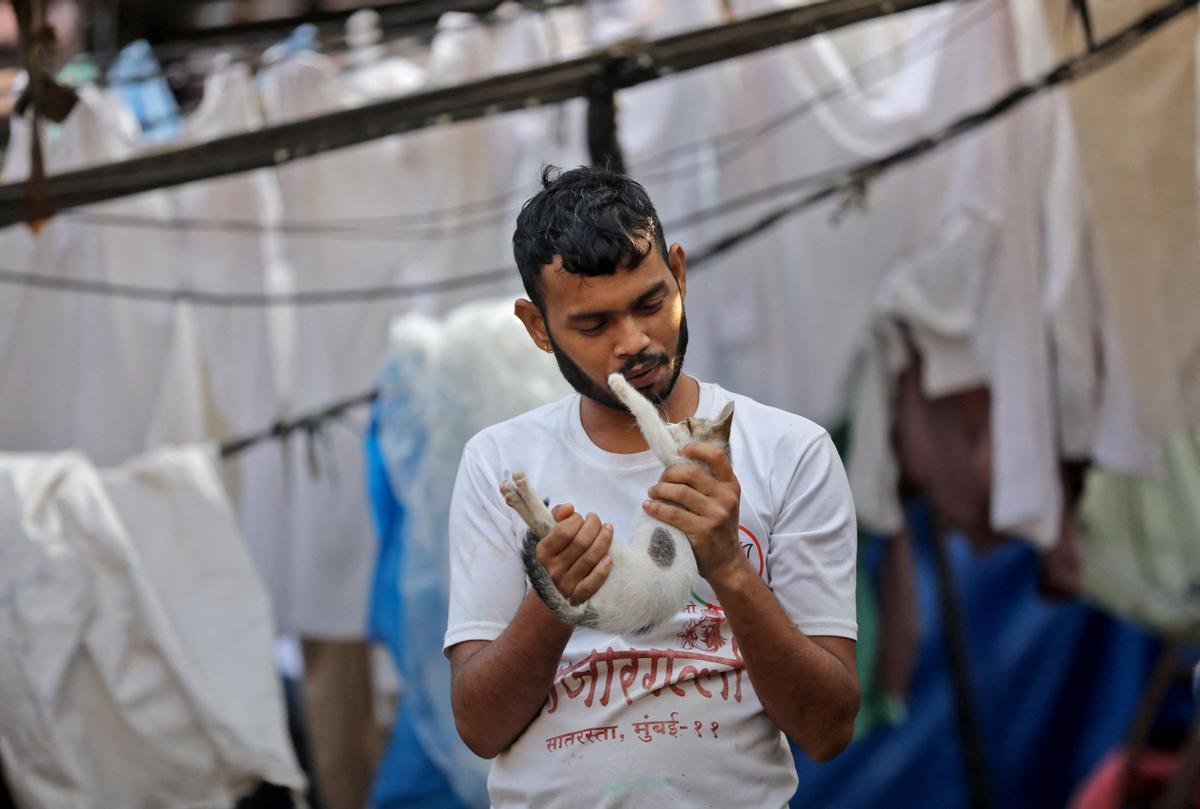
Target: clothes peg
{"x": 364, "y": 33}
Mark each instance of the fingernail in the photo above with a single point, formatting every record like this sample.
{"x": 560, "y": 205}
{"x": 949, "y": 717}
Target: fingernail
{"x": 647, "y": 503}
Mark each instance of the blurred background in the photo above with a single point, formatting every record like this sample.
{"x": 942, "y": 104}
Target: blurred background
{"x": 255, "y": 295}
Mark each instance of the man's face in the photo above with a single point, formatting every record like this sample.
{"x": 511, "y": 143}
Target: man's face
{"x": 631, "y": 323}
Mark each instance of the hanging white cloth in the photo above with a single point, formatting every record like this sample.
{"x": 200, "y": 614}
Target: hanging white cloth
{"x": 221, "y": 376}
{"x": 137, "y": 664}
{"x": 82, "y": 370}
{"x": 372, "y": 72}
{"x": 335, "y": 349}
{"x": 481, "y": 171}
{"x": 815, "y": 283}
{"x": 328, "y": 353}
{"x": 1093, "y": 390}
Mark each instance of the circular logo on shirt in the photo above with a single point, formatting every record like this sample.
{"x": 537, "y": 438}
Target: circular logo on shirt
{"x": 754, "y": 552}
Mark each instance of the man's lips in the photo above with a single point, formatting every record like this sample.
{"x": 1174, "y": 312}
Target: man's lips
{"x": 642, "y": 376}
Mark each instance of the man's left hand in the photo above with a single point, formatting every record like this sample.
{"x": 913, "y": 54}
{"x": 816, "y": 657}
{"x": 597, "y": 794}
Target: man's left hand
{"x": 704, "y": 505}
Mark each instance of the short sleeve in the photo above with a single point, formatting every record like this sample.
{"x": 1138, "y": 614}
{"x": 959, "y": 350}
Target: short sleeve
{"x": 813, "y": 549}
{"x": 487, "y": 578}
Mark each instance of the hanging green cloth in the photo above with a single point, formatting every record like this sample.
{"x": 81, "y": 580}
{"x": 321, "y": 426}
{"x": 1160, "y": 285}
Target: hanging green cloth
{"x": 1140, "y": 541}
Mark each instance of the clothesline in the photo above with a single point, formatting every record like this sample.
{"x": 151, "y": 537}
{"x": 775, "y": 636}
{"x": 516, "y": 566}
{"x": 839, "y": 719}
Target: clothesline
{"x": 621, "y": 66}
{"x": 308, "y": 423}
{"x": 852, "y": 181}
{"x": 1103, "y": 53}
{"x": 433, "y": 225}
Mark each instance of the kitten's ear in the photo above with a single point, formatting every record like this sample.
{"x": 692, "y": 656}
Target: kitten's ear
{"x": 724, "y": 423}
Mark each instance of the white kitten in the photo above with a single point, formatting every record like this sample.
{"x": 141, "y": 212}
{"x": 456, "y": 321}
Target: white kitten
{"x": 651, "y": 577}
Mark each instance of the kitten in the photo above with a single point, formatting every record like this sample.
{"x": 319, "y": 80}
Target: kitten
{"x": 651, "y": 577}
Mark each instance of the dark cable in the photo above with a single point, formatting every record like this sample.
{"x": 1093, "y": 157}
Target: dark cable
{"x": 309, "y": 423}
{"x": 480, "y": 214}
{"x": 851, "y": 179}
{"x": 1104, "y": 52}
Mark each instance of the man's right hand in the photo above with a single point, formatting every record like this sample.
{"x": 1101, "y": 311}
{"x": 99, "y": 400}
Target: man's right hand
{"x": 575, "y": 553}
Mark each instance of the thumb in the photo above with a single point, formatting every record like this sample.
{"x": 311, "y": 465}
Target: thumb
{"x": 561, "y": 512}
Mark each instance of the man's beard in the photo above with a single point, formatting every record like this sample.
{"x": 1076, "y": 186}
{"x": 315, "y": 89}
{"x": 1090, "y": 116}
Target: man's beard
{"x": 601, "y": 394}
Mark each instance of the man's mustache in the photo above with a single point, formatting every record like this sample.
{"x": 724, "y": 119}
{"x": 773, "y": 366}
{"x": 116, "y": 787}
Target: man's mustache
{"x": 642, "y": 359}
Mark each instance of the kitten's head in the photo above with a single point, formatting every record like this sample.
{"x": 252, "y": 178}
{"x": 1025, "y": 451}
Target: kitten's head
{"x": 710, "y": 431}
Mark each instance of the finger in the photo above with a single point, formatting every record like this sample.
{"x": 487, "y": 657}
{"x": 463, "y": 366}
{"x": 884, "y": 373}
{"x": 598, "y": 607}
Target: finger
{"x": 558, "y": 564}
{"x": 561, "y": 512}
{"x": 680, "y": 495}
{"x": 593, "y": 581}
{"x": 560, "y": 537}
{"x": 686, "y": 474}
{"x": 585, "y": 564}
{"x": 712, "y": 455}
{"x": 684, "y": 520}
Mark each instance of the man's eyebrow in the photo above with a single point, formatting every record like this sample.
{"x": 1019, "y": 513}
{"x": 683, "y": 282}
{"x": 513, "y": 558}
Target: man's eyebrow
{"x": 653, "y": 291}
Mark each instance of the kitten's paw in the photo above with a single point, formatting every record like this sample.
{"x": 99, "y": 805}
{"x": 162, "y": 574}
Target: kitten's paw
{"x": 510, "y": 493}
{"x": 525, "y": 492}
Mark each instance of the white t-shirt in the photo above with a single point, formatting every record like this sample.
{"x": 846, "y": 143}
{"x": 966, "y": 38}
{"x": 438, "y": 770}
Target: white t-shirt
{"x": 669, "y": 717}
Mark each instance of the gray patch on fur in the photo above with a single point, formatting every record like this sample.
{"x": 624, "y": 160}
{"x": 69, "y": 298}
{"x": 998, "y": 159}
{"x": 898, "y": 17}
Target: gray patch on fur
{"x": 590, "y": 618}
{"x": 662, "y": 548}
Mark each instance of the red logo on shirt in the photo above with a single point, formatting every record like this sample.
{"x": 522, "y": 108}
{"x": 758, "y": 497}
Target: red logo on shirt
{"x": 753, "y": 549}
{"x": 754, "y": 552}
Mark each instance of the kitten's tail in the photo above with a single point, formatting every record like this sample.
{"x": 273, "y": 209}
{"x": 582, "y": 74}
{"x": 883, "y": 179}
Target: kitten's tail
{"x": 583, "y": 615}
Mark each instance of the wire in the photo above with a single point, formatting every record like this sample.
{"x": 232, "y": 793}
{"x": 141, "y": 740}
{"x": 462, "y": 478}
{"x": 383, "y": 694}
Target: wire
{"x": 636, "y": 62}
{"x": 737, "y": 140}
{"x": 1099, "y": 55}
{"x": 482, "y": 214}
{"x": 309, "y": 423}
{"x": 849, "y": 179}
{"x": 854, "y": 179}
{"x": 254, "y": 300}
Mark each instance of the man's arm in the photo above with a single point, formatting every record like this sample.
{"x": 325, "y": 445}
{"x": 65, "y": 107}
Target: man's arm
{"x": 808, "y": 686}
{"x": 498, "y": 687}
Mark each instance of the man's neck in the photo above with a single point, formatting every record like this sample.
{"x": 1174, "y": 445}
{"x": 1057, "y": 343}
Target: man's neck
{"x": 616, "y": 430}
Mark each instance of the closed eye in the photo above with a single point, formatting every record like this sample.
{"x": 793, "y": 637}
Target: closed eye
{"x": 592, "y": 331}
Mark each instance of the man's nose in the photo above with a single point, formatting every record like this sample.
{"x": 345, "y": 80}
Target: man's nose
{"x": 632, "y": 338}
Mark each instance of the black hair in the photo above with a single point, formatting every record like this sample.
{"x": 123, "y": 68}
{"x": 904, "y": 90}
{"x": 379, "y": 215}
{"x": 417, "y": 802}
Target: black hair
{"x": 594, "y": 219}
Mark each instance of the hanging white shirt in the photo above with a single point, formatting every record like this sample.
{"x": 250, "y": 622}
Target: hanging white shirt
{"x": 81, "y": 370}
{"x": 222, "y": 378}
{"x": 137, "y": 665}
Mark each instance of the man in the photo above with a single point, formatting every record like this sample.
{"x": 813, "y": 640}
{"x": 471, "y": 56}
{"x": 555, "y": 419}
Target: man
{"x": 691, "y": 713}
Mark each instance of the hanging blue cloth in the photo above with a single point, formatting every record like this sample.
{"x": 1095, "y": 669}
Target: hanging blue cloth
{"x": 406, "y": 778}
{"x": 1056, "y": 686}
{"x": 136, "y": 77}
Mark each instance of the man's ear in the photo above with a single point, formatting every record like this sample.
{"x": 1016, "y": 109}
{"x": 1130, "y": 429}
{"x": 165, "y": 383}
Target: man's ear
{"x": 677, "y": 263}
{"x": 529, "y": 314}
